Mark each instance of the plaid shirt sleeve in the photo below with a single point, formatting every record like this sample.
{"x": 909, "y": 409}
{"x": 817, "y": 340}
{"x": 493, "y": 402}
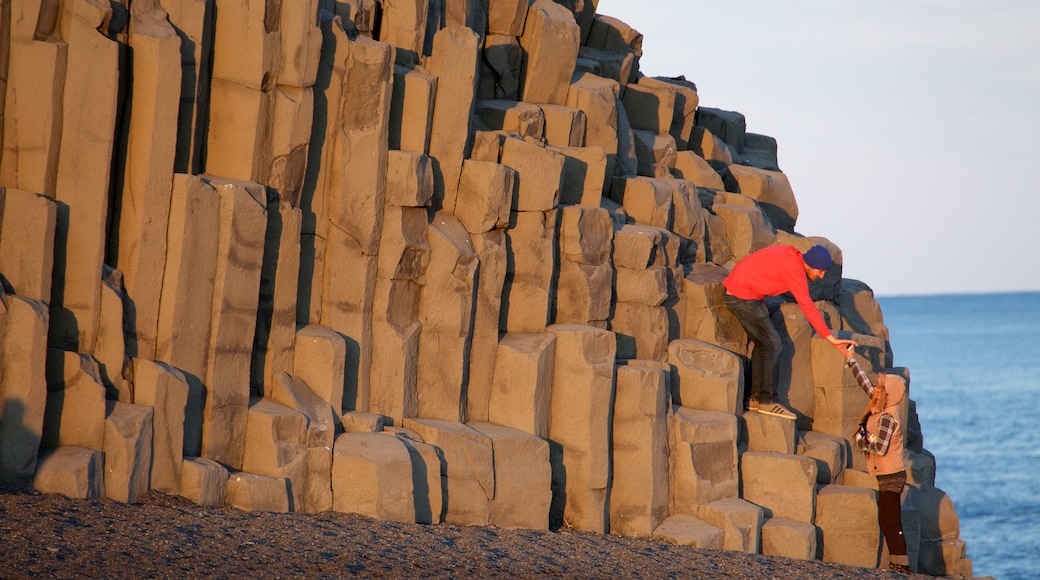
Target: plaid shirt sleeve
{"x": 877, "y": 443}
{"x": 861, "y": 376}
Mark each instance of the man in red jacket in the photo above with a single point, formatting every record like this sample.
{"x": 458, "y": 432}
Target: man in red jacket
{"x": 770, "y": 272}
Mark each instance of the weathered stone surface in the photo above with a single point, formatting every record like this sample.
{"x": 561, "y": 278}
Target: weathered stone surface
{"x": 411, "y": 111}
{"x": 641, "y": 246}
{"x": 648, "y": 287}
{"x": 204, "y": 481}
{"x": 517, "y": 117}
{"x": 647, "y": 200}
{"x": 655, "y": 154}
{"x": 584, "y": 290}
{"x": 165, "y": 390}
{"x": 523, "y": 477}
{"x": 429, "y": 474}
{"x": 490, "y": 248}
{"x": 23, "y": 386}
{"x": 403, "y": 25}
{"x": 110, "y": 348}
{"x": 689, "y": 165}
{"x": 730, "y": 126}
{"x": 347, "y": 306}
{"x": 529, "y": 286}
{"x": 748, "y": 229}
{"x": 789, "y": 539}
{"x": 584, "y": 175}
{"x": 597, "y": 98}
{"x": 539, "y": 174}
{"x": 651, "y": 108}
{"x": 27, "y": 222}
{"x": 319, "y": 358}
{"x": 550, "y": 42}
{"x": 702, "y": 458}
{"x": 144, "y": 206}
{"x": 705, "y": 144}
{"x": 254, "y": 492}
{"x": 564, "y": 126}
{"x": 446, "y": 312}
{"x": 276, "y": 311}
{"x": 128, "y": 450}
{"x": 641, "y": 331}
{"x": 75, "y": 401}
{"x": 409, "y": 179}
{"x": 485, "y": 195}
{"x": 32, "y": 111}
{"x": 455, "y": 62}
{"x": 741, "y": 521}
{"x": 639, "y": 496}
{"x": 276, "y": 441}
{"x": 769, "y": 433}
{"x": 291, "y": 124}
{"x": 707, "y": 318}
{"x": 470, "y": 471}
{"x": 687, "y": 530}
{"x": 832, "y": 454}
{"x": 782, "y": 485}
{"x": 236, "y": 291}
{"x": 372, "y": 476}
{"x": 847, "y": 520}
{"x": 583, "y": 383}
{"x": 506, "y": 17}
{"x": 72, "y": 471}
{"x": 83, "y": 174}
{"x": 770, "y": 189}
{"x": 357, "y": 182}
{"x": 706, "y": 376}
{"x": 521, "y": 387}
{"x": 501, "y": 67}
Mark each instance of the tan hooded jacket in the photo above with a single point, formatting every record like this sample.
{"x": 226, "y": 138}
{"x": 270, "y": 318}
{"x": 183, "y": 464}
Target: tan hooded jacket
{"x": 896, "y": 458}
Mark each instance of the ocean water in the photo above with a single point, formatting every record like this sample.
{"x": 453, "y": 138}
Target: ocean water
{"x": 974, "y": 365}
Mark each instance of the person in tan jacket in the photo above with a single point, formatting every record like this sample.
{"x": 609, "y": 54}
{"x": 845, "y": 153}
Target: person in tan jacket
{"x": 880, "y": 436}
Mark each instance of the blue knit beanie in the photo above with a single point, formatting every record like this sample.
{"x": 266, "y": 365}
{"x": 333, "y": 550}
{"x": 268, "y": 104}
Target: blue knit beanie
{"x": 818, "y": 257}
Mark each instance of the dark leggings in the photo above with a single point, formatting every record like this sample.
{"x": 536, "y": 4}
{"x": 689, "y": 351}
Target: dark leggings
{"x": 888, "y": 511}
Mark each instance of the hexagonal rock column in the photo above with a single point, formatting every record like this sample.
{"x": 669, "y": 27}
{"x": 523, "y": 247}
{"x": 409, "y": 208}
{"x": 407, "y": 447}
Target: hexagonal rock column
{"x": 522, "y": 383}
{"x": 165, "y": 390}
{"x": 783, "y": 485}
{"x": 687, "y": 530}
{"x": 75, "y": 401}
{"x": 204, "y": 481}
{"x": 848, "y": 521}
{"x": 788, "y": 538}
{"x": 579, "y": 428}
{"x": 706, "y": 376}
{"x": 23, "y": 386}
{"x": 372, "y": 476}
{"x": 639, "y": 496}
{"x": 128, "y": 450}
{"x": 446, "y": 313}
{"x": 523, "y": 478}
{"x": 584, "y": 290}
{"x": 470, "y": 475}
{"x": 236, "y": 292}
{"x": 71, "y": 471}
{"x": 702, "y": 458}
{"x": 739, "y": 519}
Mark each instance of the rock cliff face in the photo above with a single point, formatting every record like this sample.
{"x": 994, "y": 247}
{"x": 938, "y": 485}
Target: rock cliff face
{"x": 423, "y": 260}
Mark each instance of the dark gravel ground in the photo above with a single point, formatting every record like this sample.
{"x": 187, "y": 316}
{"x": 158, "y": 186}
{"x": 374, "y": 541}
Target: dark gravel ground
{"x": 162, "y": 536}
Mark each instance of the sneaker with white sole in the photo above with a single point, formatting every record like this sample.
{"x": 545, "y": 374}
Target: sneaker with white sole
{"x": 775, "y": 409}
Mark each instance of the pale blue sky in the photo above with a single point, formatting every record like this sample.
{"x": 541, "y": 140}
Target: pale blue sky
{"x": 909, "y": 129}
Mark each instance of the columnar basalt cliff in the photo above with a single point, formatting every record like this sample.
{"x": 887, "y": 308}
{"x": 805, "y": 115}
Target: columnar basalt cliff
{"x": 422, "y": 260}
